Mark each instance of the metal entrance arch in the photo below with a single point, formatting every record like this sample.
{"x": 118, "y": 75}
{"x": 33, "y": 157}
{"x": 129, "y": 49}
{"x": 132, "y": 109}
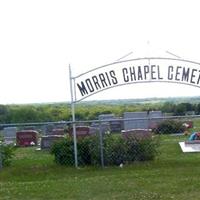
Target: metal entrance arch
{"x": 140, "y": 70}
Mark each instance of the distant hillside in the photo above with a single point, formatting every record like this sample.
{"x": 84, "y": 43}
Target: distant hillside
{"x": 175, "y": 100}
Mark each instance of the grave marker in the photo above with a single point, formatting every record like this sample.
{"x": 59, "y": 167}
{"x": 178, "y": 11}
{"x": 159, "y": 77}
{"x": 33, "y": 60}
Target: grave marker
{"x": 9, "y": 134}
{"x": 26, "y": 138}
{"x": 81, "y": 131}
{"x": 137, "y": 134}
{"x": 48, "y": 140}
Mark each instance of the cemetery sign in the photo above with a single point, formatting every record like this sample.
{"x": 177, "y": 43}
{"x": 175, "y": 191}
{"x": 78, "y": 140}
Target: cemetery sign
{"x": 136, "y": 71}
{"x": 140, "y": 70}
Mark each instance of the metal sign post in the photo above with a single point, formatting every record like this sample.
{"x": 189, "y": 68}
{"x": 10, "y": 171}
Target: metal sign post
{"x": 73, "y": 117}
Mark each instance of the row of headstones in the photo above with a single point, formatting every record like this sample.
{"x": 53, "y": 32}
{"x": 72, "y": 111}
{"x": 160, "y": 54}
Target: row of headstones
{"x": 114, "y": 126}
{"x": 139, "y": 120}
{"x": 30, "y": 137}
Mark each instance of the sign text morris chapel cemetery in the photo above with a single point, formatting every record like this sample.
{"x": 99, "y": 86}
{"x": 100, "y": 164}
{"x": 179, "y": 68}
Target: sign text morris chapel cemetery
{"x": 137, "y": 71}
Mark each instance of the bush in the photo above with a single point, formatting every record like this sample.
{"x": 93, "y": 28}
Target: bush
{"x": 116, "y": 150}
{"x": 6, "y": 153}
{"x": 141, "y": 149}
{"x": 63, "y": 151}
{"x": 169, "y": 127}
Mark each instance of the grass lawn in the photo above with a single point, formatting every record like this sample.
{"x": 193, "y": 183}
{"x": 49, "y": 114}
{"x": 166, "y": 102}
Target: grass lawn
{"x": 173, "y": 175}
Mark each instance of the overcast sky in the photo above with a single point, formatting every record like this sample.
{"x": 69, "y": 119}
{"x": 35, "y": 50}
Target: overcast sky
{"x": 40, "y": 38}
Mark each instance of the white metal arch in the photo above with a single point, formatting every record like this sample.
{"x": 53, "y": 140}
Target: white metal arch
{"x": 190, "y": 76}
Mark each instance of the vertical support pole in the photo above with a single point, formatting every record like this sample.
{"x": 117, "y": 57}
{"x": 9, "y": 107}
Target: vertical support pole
{"x": 73, "y": 118}
{"x": 1, "y": 161}
{"x": 101, "y": 144}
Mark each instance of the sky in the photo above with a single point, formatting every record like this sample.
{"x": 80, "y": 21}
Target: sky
{"x": 39, "y": 40}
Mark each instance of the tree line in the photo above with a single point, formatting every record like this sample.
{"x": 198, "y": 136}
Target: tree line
{"x": 86, "y": 111}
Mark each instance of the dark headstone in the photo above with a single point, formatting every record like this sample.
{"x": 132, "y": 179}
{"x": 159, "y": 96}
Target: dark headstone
{"x": 81, "y": 131}
{"x": 47, "y": 141}
{"x": 137, "y": 133}
{"x": 57, "y": 131}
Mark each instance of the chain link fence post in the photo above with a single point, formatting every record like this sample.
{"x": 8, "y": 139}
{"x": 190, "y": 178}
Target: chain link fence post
{"x": 1, "y": 161}
{"x": 101, "y": 144}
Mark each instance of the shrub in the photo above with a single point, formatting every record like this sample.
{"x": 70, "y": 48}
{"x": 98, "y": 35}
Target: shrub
{"x": 169, "y": 127}
{"x": 63, "y": 151}
{"x": 116, "y": 150}
{"x": 141, "y": 149}
{"x": 6, "y": 153}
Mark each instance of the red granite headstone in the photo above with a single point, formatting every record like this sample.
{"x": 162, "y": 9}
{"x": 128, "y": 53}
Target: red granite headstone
{"x": 26, "y": 138}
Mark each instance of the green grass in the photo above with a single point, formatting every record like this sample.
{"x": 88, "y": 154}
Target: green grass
{"x": 173, "y": 175}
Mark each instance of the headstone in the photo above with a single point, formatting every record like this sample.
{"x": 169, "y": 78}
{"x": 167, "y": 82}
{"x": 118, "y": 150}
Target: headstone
{"x": 106, "y": 116}
{"x": 9, "y": 134}
{"x": 26, "y": 138}
{"x": 105, "y": 126}
{"x": 155, "y": 117}
{"x": 93, "y": 130}
{"x": 114, "y": 123}
{"x": 28, "y": 128}
{"x": 47, "y": 141}
{"x": 81, "y": 131}
{"x": 141, "y": 120}
{"x": 48, "y": 129}
{"x": 137, "y": 133}
{"x": 190, "y": 146}
{"x": 57, "y": 131}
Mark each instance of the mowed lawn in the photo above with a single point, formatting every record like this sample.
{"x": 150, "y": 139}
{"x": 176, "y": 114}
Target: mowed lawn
{"x": 173, "y": 175}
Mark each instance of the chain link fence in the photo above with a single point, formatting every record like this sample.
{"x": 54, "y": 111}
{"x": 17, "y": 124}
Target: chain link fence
{"x": 103, "y": 142}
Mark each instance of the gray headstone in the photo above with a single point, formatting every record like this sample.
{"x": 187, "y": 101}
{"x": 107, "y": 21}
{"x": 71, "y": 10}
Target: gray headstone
{"x": 47, "y": 141}
{"x": 140, "y": 120}
{"x": 9, "y": 134}
{"x": 106, "y": 116}
{"x": 105, "y": 126}
{"x": 153, "y": 123}
{"x": 115, "y": 126}
{"x": 47, "y": 129}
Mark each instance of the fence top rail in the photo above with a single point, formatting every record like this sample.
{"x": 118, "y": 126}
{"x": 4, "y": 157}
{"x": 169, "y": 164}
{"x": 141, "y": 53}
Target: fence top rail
{"x": 144, "y": 118}
{"x": 99, "y": 121}
{"x": 35, "y": 124}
